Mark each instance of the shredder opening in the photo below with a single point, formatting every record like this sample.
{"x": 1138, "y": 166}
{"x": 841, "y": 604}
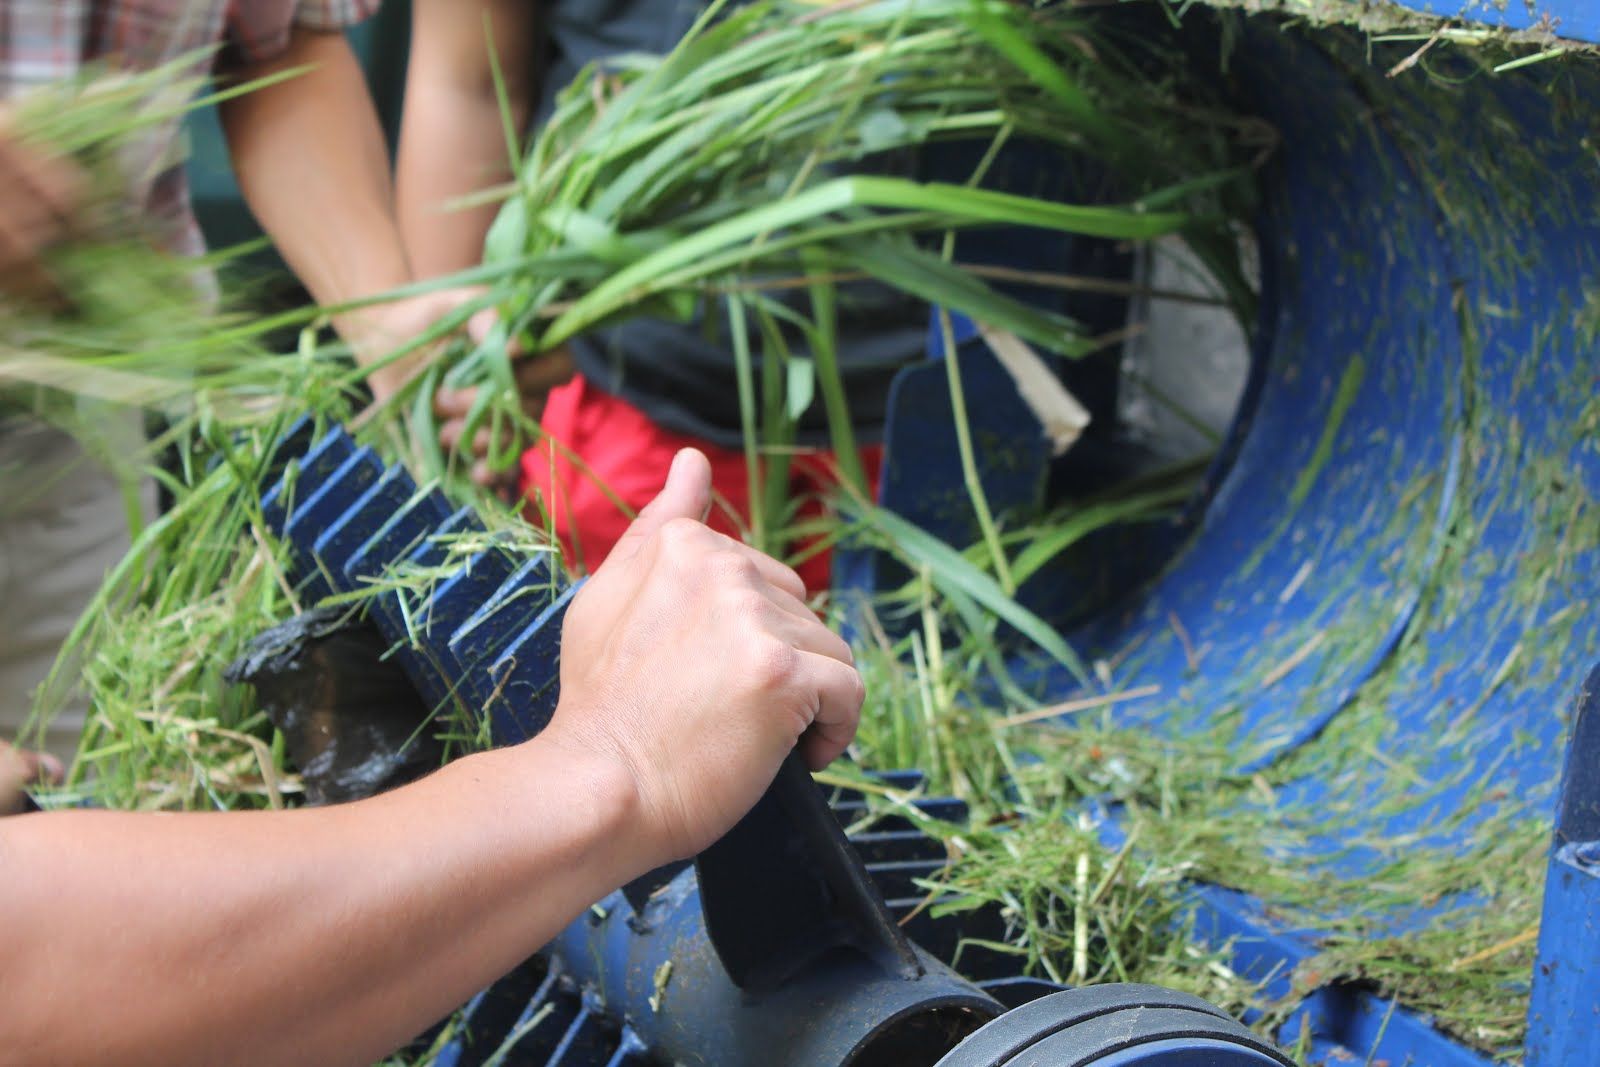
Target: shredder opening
{"x": 917, "y": 1039}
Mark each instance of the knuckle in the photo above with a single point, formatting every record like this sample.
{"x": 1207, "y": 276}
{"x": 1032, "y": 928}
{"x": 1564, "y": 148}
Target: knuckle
{"x": 679, "y": 534}
{"x": 858, "y": 689}
{"x": 772, "y": 663}
{"x": 733, "y": 569}
{"x": 791, "y": 578}
{"x": 842, "y": 651}
{"x": 748, "y": 604}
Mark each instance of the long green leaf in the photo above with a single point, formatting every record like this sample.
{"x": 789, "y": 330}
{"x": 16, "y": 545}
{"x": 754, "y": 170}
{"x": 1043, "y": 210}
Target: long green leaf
{"x": 958, "y": 203}
{"x": 951, "y": 571}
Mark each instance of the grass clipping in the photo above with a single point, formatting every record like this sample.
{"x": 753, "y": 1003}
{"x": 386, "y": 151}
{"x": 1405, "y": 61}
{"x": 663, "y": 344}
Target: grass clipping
{"x": 1443, "y": 922}
{"x": 770, "y": 151}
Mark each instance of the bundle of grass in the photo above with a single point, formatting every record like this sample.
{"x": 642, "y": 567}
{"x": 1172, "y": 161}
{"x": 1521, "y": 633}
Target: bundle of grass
{"x": 711, "y": 180}
{"x": 723, "y": 184}
{"x": 126, "y": 322}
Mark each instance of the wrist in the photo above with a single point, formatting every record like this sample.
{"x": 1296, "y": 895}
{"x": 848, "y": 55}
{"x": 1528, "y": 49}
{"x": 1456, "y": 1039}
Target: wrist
{"x": 590, "y": 798}
{"x": 374, "y": 333}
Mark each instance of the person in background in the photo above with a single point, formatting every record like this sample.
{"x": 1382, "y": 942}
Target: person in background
{"x": 20, "y": 769}
{"x": 622, "y": 399}
{"x": 690, "y": 667}
{"x": 312, "y": 163}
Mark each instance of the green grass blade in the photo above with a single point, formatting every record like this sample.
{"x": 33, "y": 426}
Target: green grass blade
{"x": 951, "y": 571}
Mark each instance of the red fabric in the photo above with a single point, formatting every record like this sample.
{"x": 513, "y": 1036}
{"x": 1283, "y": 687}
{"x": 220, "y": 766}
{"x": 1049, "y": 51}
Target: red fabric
{"x": 596, "y": 442}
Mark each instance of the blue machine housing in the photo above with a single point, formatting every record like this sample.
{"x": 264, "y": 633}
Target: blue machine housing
{"x": 1562, "y": 1014}
{"x": 782, "y": 944}
{"x": 1402, "y": 522}
{"x": 1402, "y": 512}
{"x": 1575, "y": 20}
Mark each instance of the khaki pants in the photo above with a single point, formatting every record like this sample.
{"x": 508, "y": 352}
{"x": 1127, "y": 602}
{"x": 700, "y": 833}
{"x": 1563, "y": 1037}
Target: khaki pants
{"x": 63, "y": 525}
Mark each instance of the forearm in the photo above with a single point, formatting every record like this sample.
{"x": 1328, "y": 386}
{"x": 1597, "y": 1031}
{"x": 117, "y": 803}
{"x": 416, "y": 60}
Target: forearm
{"x": 452, "y": 147}
{"x": 452, "y": 135}
{"x": 319, "y": 936}
{"x": 311, "y": 161}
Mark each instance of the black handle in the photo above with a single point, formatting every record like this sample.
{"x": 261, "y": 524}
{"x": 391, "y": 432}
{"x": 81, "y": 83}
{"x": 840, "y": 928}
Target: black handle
{"x": 784, "y": 887}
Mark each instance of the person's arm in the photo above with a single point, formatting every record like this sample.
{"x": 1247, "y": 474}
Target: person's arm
{"x": 329, "y": 936}
{"x": 452, "y": 136}
{"x": 453, "y": 144}
{"x": 39, "y": 194}
{"x": 311, "y": 161}
{"x": 319, "y": 936}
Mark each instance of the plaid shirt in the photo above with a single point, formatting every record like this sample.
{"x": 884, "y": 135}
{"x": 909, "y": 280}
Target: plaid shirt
{"x": 42, "y": 41}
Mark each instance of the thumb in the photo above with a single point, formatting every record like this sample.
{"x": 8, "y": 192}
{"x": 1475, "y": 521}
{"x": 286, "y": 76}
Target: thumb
{"x": 687, "y": 495}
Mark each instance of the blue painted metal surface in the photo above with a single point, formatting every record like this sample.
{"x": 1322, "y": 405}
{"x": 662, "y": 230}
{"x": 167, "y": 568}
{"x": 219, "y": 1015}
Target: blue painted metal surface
{"x": 1403, "y": 529}
{"x": 1577, "y": 20}
{"x": 346, "y": 534}
{"x": 525, "y": 675}
{"x": 318, "y": 509}
{"x": 1564, "y": 1009}
{"x": 347, "y": 519}
{"x": 324, "y": 457}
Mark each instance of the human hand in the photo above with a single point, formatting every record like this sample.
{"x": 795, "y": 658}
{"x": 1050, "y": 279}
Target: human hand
{"x": 376, "y": 331}
{"x": 535, "y": 377}
{"x": 38, "y": 195}
{"x": 19, "y": 769}
{"x": 691, "y": 663}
